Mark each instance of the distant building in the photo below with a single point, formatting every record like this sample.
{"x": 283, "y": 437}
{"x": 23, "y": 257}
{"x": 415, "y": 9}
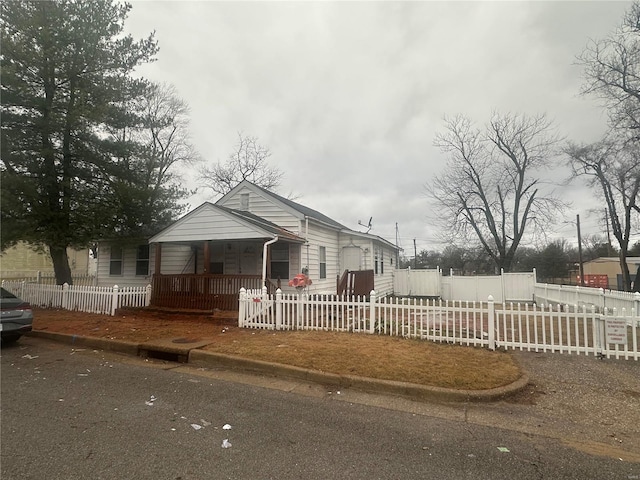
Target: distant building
{"x": 610, "y": 266}
{"x": 23, "y": 261}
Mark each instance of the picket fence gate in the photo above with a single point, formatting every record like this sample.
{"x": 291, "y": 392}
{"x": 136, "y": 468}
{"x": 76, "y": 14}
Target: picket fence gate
{"x": 547, "y": 328}
{"x": 90, "y": 299}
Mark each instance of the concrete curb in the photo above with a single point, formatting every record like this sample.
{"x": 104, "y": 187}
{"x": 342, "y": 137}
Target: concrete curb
{"x": 420, "y": 392}
{"x": 130, "y": 348}
{"x": 202, "y": 358}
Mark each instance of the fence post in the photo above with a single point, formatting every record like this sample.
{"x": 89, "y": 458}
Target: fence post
{"x": 491, "y": 324}
{"x": 372, "y": 311}
{"x": 114, "y": 300}
{"x": 38, "y": 277}
{"x": 147, "y": 296}
{"x": 242, "y": 307}
{"x": 24, "y": 283}
{"x": 65, "y": 296}
{"x": 603, "y": 301}
{"x": 636, "y": 301}
{"x": 504, "y": 297}
{"x": 278, "y": 309}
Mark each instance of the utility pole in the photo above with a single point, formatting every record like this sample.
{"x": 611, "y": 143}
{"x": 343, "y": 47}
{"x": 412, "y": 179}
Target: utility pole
{"x": 415, "y": 255}
{"x": 397, "y": 246}
{"x": 580, "y": 251}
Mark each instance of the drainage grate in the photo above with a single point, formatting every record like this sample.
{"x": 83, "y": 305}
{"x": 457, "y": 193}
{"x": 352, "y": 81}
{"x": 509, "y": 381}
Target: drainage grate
{"x": 166, "y": 356}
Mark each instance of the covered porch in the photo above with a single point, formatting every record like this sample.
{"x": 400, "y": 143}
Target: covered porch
{"x": 203, "y": 260}
{"x": 215, "y": 271}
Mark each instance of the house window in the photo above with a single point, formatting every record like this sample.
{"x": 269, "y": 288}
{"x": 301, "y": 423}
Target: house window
{"x": 280, "y": 261}
{"x": 142, "y": 260}
{"x": 323, "y": 262}
{"x": 244, "y": 202}
{"x": 375, "y": 264}
{"x": 115, "y": 261}
{"x": 382, "y": 262}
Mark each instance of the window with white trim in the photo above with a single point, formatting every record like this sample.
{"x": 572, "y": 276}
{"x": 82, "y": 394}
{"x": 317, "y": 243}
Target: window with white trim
{"x": 280, "y": 260}
{"x": 142, "y": 260}
{"x": 115, "y": 260}
{"x": 322, "y": 255}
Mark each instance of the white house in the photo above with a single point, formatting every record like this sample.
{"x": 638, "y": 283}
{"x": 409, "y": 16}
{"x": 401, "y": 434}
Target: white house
{"x": 250, "y": 237}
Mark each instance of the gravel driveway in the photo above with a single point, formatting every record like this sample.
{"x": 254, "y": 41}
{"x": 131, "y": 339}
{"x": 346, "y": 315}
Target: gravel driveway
{"x": 589, "y": 403}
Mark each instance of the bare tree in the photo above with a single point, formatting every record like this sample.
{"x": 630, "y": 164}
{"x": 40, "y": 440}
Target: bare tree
{"x": 247, "y": 162}
{"x": 490, "y": 190}
{"x": 612, "y": 72}
{"x": 614, "y": 169}
{"x": 150, "y": 185}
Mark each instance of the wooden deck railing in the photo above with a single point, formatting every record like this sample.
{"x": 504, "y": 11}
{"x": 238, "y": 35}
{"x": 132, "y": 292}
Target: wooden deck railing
{"x": 200, "y": 292}
{"x": 355, "y": 282}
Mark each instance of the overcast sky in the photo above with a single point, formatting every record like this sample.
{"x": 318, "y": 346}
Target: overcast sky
{"x": 349, "y": 96}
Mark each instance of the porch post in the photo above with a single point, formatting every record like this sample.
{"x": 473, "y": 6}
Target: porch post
{"x": 158, "y": 260}
{"x": 207, "y": 257}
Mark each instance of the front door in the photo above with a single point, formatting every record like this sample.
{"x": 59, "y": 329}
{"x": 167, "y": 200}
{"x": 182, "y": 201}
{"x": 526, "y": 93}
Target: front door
{"x": 351, "y": 258}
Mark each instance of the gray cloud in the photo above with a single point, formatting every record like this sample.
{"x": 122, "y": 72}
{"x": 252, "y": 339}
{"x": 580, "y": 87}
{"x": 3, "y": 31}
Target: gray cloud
{"x": 348, "y": 96}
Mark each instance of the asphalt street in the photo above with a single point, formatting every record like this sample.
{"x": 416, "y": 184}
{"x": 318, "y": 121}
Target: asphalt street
{"x": 78, "y": 414}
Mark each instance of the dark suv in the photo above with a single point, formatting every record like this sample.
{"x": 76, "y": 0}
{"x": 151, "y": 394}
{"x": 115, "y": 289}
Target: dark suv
{"x": 17, "y": 317}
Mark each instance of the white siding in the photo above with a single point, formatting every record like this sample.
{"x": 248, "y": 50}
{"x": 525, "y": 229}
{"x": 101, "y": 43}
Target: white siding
{"x": 206, "y": 223}
{"x": 128, "y": 277}
{"x": 176, "y": 259}
{"x": 321, "y": 236}
{"x": 266, "y": 208}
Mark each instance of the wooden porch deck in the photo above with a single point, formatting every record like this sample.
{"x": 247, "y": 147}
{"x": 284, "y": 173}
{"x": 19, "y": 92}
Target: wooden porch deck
{"x": 200, "y": 292}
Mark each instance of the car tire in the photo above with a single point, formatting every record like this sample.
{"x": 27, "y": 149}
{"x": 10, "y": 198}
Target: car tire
{"x": 9, "y": 339}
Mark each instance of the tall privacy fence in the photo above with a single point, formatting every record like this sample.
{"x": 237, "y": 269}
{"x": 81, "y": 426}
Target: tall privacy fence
{"x": 91, "y": 299}
{"x": 508, "y": 287}
{"x": 522, "y": 326}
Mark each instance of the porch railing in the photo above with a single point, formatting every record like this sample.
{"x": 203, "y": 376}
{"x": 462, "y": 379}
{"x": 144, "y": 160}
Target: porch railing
{"x": 200, "y": 292}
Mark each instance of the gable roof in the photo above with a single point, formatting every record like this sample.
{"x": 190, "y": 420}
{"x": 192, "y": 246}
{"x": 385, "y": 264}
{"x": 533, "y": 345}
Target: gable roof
{"x": 202, "y": 224}
{"x": 302, "y": 210}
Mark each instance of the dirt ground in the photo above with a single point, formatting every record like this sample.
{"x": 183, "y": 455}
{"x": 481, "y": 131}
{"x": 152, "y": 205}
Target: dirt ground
{"x": 373, "y": 356}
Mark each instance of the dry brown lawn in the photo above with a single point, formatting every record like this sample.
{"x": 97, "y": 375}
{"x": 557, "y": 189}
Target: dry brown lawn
{"x": 390, "y": 358}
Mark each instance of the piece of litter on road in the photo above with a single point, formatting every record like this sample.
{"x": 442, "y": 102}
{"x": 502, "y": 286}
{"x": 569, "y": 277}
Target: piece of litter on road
{"x": 61, "y": 399}
{"x": 204, "y": 423}
{"x": 196, "y": 426}
{"x": 226, "y": 426}
{"x": 83, "y": 374}
{"x": 30, "y": 357}
{"x": 471, "y": 455}
{"x": 226, "y": 443}
{"x": 147, "y": 402}
{"x": 503, "y": 449}
{"x": 338, "y": 392}
{"x": 173, "y": 429}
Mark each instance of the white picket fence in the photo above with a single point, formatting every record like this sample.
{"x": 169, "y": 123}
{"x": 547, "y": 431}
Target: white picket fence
{"x": 91, "y": 299}
{"x": 602, "y": 300}
{"x": 562, "y": 329}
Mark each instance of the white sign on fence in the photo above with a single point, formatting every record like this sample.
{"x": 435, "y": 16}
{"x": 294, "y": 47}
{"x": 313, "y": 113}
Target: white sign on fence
{"x": 616, "y": 331}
